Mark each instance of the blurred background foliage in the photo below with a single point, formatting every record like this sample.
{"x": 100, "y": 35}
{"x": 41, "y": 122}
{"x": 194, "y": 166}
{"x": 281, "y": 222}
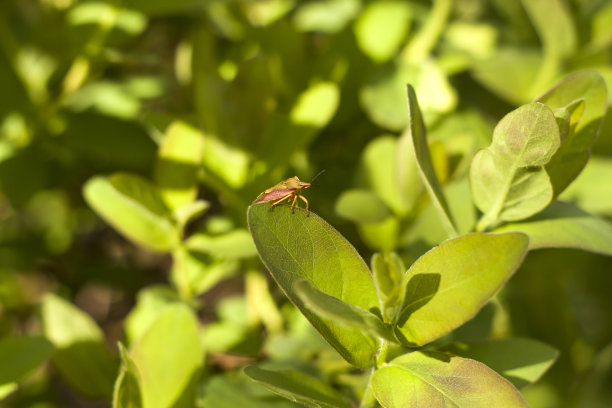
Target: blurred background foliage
{"x": 165, "y": 119}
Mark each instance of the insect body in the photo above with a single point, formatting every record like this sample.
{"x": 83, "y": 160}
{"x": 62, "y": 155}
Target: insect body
{"x": 285, "y": 191}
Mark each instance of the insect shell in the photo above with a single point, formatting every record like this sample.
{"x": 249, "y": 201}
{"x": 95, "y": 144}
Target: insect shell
{"x": 285, "y": 191}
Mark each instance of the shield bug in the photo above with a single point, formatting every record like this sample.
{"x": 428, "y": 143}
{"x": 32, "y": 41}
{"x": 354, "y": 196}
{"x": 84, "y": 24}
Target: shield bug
{"x": 285, "y": 191}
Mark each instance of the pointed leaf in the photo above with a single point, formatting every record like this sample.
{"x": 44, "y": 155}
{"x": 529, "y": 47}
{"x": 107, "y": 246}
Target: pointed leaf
{"x": 563, "y": 225}
{"x": 294, "y": 247}
{"x": 127, "y": 390}
{"x": 329, "y": 307}
{"x": 434, "y": 379}
{"x": 520, "y": 361}
{"x": 417, "y": 134}
{"x": 573, "y": 154}
{"x": 298, "y": 387}
{"x": 449, "y": 284}
{"x": 508, "y": 179}
{"x": 133, "y": 206}
{"x": 168, "y": 358}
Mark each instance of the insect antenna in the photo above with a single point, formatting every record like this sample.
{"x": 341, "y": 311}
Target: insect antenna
{"x": 318, "y": 174}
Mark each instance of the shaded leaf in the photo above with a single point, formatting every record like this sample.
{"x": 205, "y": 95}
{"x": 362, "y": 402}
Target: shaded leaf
{"x": 299, "y": 247}
{"x": 520, "y": 361}
{"x": 449, "y": 284}
{"x": 298, "y": 387}
{"x": 21, "y": 355}
{"x": 80, "y": 353}
{"x": 329, "y": 307}
{"x": 563, "y": 225}
{"x": 433, "y": 379}
{"x": 574, "y": 152}
{"x": 235, "y": 244}
{"x": 127, "y": 390}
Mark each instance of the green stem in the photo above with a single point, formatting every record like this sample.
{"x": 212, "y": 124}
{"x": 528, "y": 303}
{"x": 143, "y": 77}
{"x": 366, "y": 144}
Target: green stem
{"x": 425, "y": 40}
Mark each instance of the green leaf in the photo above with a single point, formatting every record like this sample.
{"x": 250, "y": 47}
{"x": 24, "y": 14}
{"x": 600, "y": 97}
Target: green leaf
{"x": 133, "y": 206}
{"x": 328, "y": 16}
{"x": 80, "y": 354}
{"x": 230, "y": 390}
{"x": 7, "y": 389}
{"x": 127, "y": 390}
{"x": 294, "y": 247}
{"x": 383, "y": 98}
{"x": 178, "y": 161}
{"x": 150, "y": 301}
{"x": 381, "y": 28}
{"x": 449, "y": 284}
{"x": 573, "y": 153}
{"x": 388, "y": 270}
{"x": 510, "y": 73}
{"x": 188, "y": 212}
{"x": 235, "y": 244}
{"x": 433, "y": 379}
{"x": 298, "y": 387}
{"x": 169, "y": 358}
{"x": 379, "y": 168}
{"x": 508, "y": 179}
{"x": 417, "y": 133}
{"x": 161, "y": 7}
{"x": 587, "y": 191}
{"x": 520, "y": 361}
{"x": 21, "y": 355}
{"x": 563, "y": 225}
{"x": 361, "y": 206}
{"x": 329, "y": 307}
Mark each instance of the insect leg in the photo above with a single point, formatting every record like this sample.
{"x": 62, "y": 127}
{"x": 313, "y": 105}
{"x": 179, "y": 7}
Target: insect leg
{"x": 293, "y": 203}
{"x": 280, "y": 200}
{"x": 306, "y": 201}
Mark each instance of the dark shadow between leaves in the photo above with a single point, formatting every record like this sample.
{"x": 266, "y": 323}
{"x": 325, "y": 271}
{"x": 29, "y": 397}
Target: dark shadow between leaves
{"x": 420, "y": 289}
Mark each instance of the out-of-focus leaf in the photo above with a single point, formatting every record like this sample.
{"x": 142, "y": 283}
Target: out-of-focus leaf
{"x": 162, "y": 7}
{"x": 449, "y": 284}
{"x": 294, "y": 247}
{"x": 381, "y": 28}
{"x": 361, "y": 206}
{"x": 298, "y": 387}
{"x": 380, "y": 236}
{"x": 417, "y": 134}
{"x": 510, "y": 73}
{"x": 150, "y": 302}
{"x": 188, "y": 212}
{"x": 329, "y": 307}
{"x": 7, "y": 389}
{"x": 601, "y": 27}
{"x": 229, "y": 163}
{"x": 194, "y": 272}
{"x": 328, "y": 16}
{"x": 169, "y": 358}
{"x": 586, "y": 191}
{"x": 21, "y": 355}
{"x": 233, "y": 245}
{"x": 127, "y": 390}
{"x": 316, "y": 106}
{"x": 106, "y": 15}
{"x": 384, "y": 98}
{"x": 520, "y": 361}
{"x": 378, "y": 161}
{"x": 178, "y": 161}
{"x": 133, "y": 206}
{"x": 433, "y": 379}
{"x": 231, "y": 390}
{"x": 80, "y": 354}
{"x": 563, "y": 225}
{"x": 573, "y": 153}
{"x": 388, "y": 270}
{"x": 507, "y": 178}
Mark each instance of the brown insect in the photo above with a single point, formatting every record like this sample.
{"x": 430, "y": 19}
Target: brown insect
{"x": 285, "y": 191}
